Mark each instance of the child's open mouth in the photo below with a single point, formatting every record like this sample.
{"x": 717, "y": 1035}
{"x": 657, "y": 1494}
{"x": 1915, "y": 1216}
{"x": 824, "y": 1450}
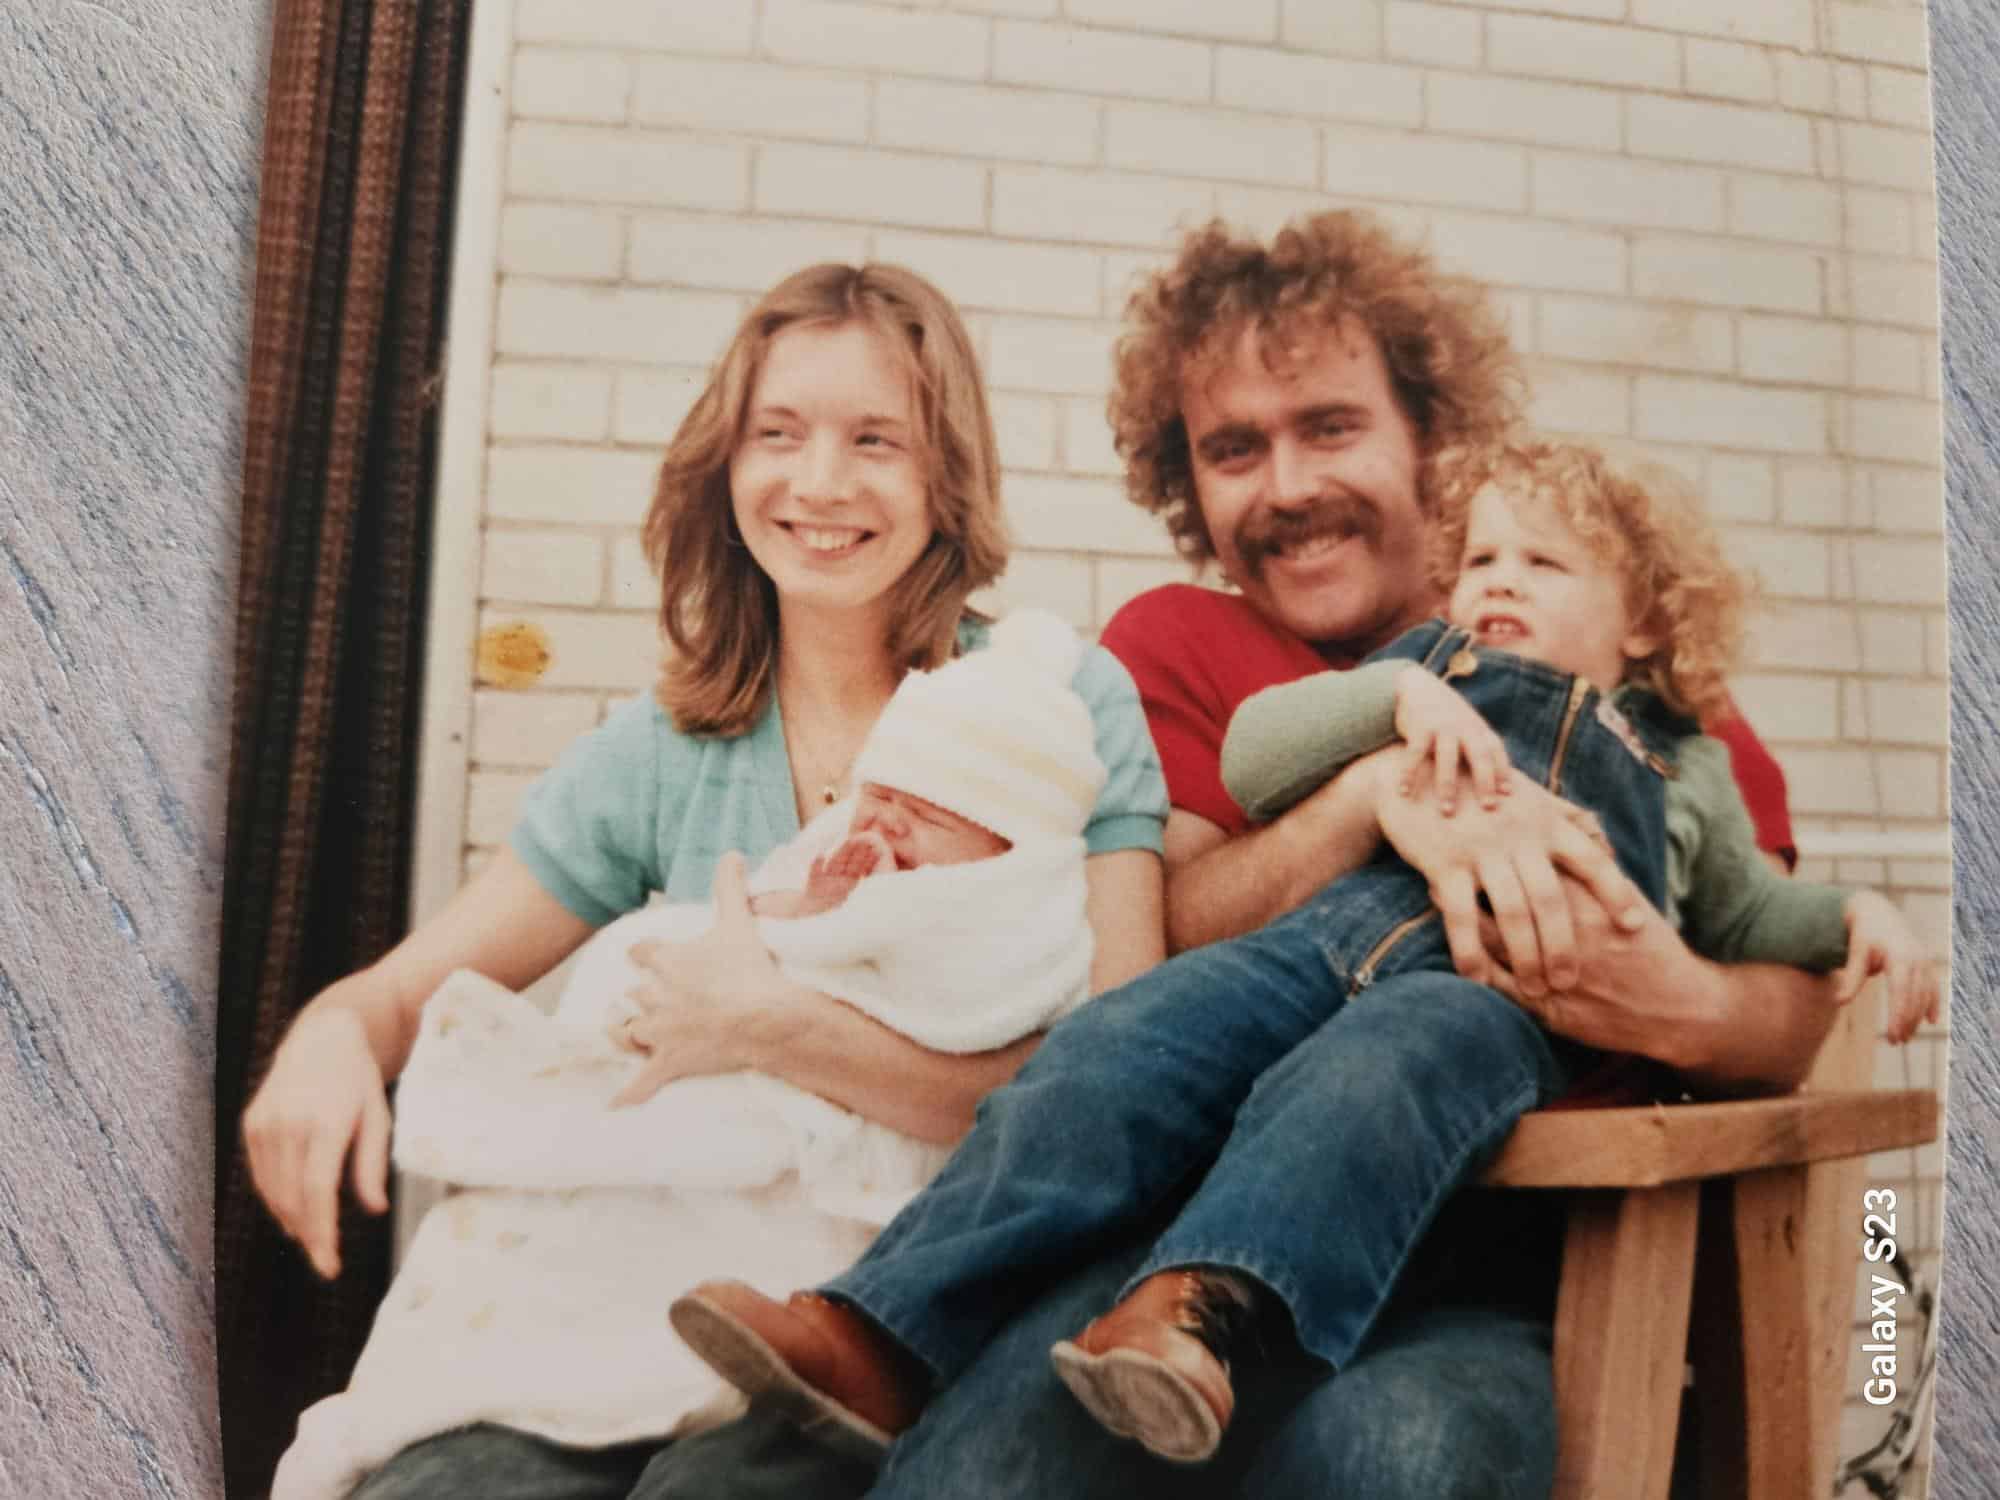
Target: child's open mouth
{"x": 1499, "y": 630}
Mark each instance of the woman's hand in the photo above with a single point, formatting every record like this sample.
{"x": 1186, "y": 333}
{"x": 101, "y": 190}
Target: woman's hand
{"x": 709, "y": 1001}
{"x": 1438, "y": 725}
{"x": 1880, "y": 941}
{"x": 323, "y": 1096}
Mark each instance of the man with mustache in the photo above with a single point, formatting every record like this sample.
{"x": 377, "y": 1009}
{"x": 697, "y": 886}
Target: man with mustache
{"x": 1281, "y": 406}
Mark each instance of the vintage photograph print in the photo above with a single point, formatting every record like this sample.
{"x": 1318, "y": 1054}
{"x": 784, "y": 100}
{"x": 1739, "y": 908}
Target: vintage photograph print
{"x": 1357, "y": 591}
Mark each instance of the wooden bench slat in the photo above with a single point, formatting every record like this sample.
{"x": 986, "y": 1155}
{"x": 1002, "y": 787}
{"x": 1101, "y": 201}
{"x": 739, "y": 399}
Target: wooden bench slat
{"x": 1660, "y": 1143}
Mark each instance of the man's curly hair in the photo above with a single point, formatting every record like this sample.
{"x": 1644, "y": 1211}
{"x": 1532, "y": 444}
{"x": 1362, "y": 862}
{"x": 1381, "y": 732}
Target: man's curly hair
{"x": 1449, "y": 359}
{"x": 1643, "y": 523}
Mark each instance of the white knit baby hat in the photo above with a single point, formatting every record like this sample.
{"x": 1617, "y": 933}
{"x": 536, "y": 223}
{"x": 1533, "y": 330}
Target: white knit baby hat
{"x": 997, "y": 735}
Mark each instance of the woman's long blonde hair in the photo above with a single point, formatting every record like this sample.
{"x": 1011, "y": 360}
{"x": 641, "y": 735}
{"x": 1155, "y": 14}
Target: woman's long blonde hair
{"x": 718, "y": 609}
{"x": 1644, "y": 523}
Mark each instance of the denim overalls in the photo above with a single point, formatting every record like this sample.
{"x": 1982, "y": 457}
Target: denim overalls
{"x": 1560, "y": 732}
{"x": 1310, "y": 1093}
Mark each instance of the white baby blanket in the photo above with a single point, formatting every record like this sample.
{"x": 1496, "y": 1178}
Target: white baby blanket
{"x": 537, "y": 1298}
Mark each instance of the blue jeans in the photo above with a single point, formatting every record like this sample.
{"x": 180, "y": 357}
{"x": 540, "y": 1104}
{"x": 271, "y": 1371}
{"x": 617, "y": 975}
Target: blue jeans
{"x": 1448, "y": 1400}
{"x": 1321, "y": 1085}
{"x": 1313, "y": 1136}
{"x": 760, "y": 1457}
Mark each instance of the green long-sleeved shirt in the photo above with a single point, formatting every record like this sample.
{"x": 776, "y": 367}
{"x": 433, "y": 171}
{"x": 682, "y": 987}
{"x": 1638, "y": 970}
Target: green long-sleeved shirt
{"x": 1728, "y": 903}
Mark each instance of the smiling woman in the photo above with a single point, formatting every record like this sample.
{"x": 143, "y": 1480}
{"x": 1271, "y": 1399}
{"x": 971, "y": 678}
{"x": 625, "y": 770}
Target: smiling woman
{"x": 822, "y": 515}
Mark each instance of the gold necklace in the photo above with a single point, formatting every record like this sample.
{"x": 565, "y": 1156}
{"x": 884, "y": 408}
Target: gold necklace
{"x": 829, "y": 791}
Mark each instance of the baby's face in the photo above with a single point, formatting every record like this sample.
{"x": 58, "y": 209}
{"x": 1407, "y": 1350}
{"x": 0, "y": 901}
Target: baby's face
{"x": 919, "y": 832}
{"x": 1529, "y": 585}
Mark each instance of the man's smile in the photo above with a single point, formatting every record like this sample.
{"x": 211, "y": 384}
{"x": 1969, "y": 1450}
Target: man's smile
{"x": 1305, "y": 537}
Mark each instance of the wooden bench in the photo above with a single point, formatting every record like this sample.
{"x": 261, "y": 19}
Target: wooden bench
{"x": 1728, "y": 1234}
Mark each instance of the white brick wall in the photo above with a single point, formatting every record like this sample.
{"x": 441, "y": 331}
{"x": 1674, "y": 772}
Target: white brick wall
{"x": 1732, "y": 135}
{"x": 822, "y": 182}
{"x": 874, "y": 39}
{"x": 768, "y": 98}
{"x": 1555, "y": 114}
{"x": 1703, "y": 220}
{"x": 560, "y": 84}
{"x": 1242, "y": 20}
{"x": 545, "y": 239}
{"x": 1583, "y": 51}
{"x": 1730, "y": 70}
{"x": 1102, "y": 63}
{"x": 584, "y": 163}
{"x": 620, "y": 324}
{"x": 1352, "y": 29}
{"x": 637, "y": 24}
{"x": 1293, "y": 83}
{"x": 1439, "y": 34}
{"x": 1878, "y": 33}
{"x": 542, "y": 567}
{"x": 1789, "y": 23}
{"x": 1884, "y": 156}
{"x": 550, "y": 401}
{"x": 1785, "y": 208}
{"x": 1727, "y": 273}
{"x": 1708, "y": 223}
{"x": 1413, "y": 167}
{"x": 1211, "y": 143}
{"x": 1614, "y": 190}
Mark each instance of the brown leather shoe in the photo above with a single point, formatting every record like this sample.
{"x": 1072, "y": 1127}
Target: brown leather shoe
{"x": 1155, "y": 1367}
{"x": 821, "y": 1365}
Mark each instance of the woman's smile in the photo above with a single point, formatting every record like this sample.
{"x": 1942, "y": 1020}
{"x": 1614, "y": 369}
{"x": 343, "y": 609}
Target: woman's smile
{"x": 827, "y": 541}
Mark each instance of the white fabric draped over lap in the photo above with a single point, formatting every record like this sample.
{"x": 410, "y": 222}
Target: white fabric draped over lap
{"x": 537, "y": 1297}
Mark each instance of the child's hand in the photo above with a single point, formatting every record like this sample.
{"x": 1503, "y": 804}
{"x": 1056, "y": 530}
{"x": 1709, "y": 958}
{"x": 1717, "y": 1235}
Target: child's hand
{"x": 1879, "y": 941}
{"x": 1440, "y": 726}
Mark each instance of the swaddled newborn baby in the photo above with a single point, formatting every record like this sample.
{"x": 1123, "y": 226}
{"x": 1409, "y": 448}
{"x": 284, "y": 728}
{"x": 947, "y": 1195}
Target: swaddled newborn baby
{"x": 946, "y": 900}
{"x": 889, "y": 830}
{"x": 892, "y": 830}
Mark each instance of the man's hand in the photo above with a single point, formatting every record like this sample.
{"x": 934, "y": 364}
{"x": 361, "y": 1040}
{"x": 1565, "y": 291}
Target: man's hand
{"x": 1637, "y": 988}
{"x": 1513, "y": 853}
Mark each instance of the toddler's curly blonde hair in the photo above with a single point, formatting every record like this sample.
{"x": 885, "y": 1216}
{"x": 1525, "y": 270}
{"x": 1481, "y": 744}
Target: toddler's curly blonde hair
{"x": 1645, "y": 524}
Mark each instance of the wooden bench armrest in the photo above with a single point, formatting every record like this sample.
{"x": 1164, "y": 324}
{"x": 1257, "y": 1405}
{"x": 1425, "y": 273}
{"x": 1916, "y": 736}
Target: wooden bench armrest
{"x": 1661, "y": 1143}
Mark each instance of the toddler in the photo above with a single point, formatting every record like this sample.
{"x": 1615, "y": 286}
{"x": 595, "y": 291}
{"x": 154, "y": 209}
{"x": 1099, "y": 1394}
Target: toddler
{"x": 1550, "y": 554}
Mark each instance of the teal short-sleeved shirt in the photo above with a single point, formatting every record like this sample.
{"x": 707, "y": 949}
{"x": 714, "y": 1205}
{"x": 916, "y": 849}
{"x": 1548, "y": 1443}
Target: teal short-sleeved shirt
{"x": 635, "y": 806}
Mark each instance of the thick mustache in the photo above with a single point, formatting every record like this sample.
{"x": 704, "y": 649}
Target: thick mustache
{"x": 1266, "y": 532}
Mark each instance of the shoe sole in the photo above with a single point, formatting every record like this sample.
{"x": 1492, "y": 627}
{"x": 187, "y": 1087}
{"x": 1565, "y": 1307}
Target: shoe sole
{"x": 729, "y": 1347}
{"x": 1139, "y": 1397}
